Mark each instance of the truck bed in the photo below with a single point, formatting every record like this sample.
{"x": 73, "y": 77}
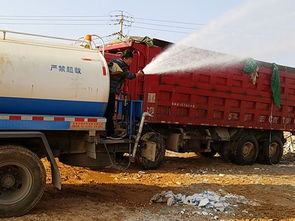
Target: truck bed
{"x": 221, "y": 96}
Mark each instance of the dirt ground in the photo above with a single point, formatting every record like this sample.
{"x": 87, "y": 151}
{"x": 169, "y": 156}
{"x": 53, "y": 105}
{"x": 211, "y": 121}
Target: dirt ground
{"x": 112, "y": 194}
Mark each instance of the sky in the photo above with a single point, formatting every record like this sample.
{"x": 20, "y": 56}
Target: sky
{"x": 188, "y": 11}
{"x": 232, "y": 20}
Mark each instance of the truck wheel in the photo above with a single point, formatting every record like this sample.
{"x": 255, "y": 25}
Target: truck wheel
{"x": 22, "y": 180}
{"x": 141, "y": 159}
{"x": 271, "y": 152}
{"x": 246, "y": 150}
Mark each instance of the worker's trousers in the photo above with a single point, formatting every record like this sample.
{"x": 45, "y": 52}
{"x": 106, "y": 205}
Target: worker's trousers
{"x": 109, "y": 114}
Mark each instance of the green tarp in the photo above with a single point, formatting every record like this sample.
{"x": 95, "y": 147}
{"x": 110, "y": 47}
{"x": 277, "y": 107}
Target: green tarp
{"x": 250, "y": 66}
{"x": 275, "y": 86}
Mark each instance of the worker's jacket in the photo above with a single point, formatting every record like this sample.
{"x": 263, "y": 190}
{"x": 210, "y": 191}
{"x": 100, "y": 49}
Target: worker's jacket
{"x": 119, "y": 71}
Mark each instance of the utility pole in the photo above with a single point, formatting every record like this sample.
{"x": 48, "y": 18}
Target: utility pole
{"x": 122, "y": 20}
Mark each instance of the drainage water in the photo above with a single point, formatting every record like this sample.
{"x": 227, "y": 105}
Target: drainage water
{"x": 264, "y": 30}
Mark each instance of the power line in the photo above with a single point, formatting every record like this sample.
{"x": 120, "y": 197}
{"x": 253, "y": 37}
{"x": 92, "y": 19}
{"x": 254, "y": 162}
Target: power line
{"x": 6, "y": 23}
{"x": 169, "y": 21}
{"x": 42, "y": 19}
{"x": 96, "y": 20}
{"x": 121, "y": 18}
{"x": 55, "y": 16}
{"x": 117, "y": 16}
{"x": 95, "y": 16}
{"x": 155, "y": 29}
{"x": 169, "y": 26}
{"x": 93, "y": 24}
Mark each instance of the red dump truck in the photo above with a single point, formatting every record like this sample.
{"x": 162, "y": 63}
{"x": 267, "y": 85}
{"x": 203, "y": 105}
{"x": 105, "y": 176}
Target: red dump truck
{"x": 211, "y": 110}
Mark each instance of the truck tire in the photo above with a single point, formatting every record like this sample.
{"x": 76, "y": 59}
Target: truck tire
{"x": 271, "y": 152}
{"x": 22, "y": 180}
{"x": 160, "y": 152}
{"x": 245, "y": 151}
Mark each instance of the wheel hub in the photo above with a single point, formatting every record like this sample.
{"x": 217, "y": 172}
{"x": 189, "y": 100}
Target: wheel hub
{"x": 7, "y": 181}
{"x": 248, "y": 148}
{"x": 15, "y": 182}
{"x": 273, "y": 149}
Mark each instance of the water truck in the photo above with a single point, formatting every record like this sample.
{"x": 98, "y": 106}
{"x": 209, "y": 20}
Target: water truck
{"x": 53, "y": 97}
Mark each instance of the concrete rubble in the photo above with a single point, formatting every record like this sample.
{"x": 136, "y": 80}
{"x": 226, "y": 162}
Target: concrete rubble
{"x": 289, "y": 146}
{"x": 205, "y": 199}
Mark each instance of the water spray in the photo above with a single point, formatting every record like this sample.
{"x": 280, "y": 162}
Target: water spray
{"x": 259, "y": 29}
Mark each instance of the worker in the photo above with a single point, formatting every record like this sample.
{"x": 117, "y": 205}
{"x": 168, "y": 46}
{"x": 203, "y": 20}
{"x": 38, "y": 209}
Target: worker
{"x": 119, "y": 71}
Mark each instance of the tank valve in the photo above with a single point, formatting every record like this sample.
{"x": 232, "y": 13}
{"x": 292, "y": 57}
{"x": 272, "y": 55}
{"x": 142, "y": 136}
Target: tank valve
{"x": 88, "y": 39}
